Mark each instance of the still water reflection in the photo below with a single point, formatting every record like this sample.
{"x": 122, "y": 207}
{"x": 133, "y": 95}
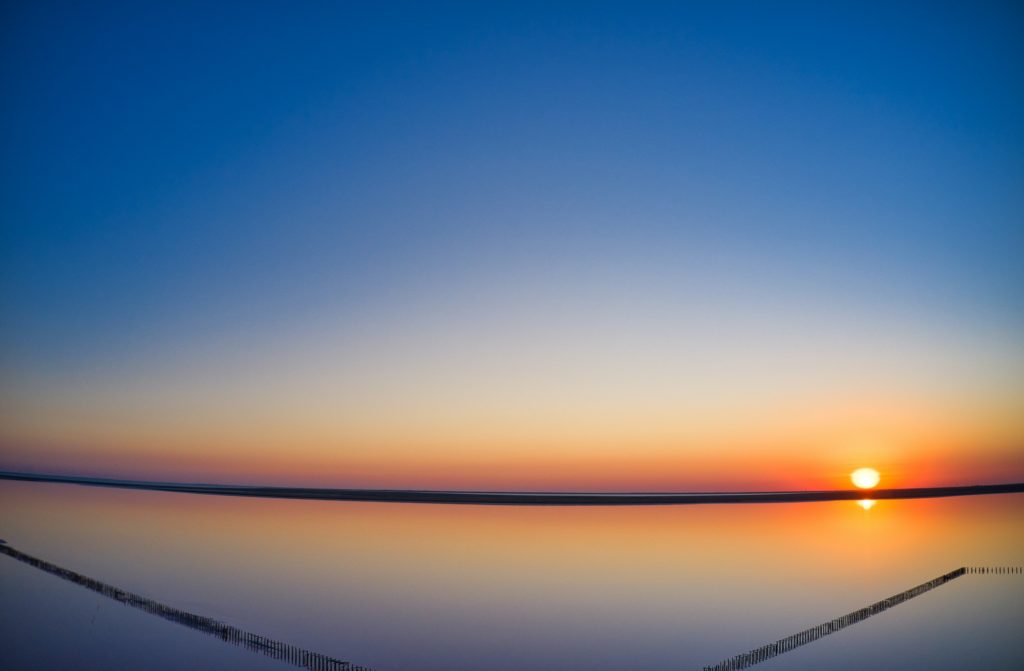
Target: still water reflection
{"x": 402, "y": 586}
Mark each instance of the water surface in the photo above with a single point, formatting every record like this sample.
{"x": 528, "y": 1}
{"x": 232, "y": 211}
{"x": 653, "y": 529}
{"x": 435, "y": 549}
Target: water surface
{"x": 422, "y": 586}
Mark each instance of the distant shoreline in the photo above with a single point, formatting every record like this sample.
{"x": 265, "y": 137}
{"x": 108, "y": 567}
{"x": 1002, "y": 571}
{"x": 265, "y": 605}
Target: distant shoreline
{"x": 521, "y": 498}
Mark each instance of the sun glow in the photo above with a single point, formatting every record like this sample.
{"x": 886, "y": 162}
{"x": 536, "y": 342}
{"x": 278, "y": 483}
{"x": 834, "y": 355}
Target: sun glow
{"x": 866, "y": 504}
{"x": 865, "y": 478}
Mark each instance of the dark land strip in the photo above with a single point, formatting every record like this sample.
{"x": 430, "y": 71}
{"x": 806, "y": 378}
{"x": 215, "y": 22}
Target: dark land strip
{"x": 521, "y": 498}
{"x": 784, "y": 645}
{"x": 267, "y": 646}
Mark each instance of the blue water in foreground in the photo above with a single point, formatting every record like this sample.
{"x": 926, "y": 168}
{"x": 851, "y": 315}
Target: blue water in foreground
{"x": 402, "y": 586}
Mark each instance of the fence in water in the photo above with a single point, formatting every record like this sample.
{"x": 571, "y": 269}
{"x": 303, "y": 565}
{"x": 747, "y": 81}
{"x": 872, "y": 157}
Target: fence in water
{"x": 262, "y": 644}
{"x": 995, "y": 570}
{"x": 766, "y": 652}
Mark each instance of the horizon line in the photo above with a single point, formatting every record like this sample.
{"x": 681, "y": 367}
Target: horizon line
{"x": 520, "y": 498}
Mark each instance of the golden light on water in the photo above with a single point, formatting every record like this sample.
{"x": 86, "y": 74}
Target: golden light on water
{"x": 866, "y": 504}
{"x": 865, "y": 478}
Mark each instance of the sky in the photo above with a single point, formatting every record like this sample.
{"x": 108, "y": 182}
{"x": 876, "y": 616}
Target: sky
{"x": 604, "y": 246}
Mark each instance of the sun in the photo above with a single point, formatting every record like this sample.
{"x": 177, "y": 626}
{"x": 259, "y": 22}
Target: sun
{"x": 865, "y": 478}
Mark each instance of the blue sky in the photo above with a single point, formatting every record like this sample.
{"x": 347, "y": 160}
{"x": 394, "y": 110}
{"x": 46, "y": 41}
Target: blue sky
{"x": 175, "y": 178}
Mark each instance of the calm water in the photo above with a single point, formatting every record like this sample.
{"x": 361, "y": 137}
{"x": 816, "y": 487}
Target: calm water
{"x": 401, "y": 586}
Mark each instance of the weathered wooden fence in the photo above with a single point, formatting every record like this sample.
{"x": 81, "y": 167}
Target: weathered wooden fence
{"x": 995, "y": 570}
{"x": 766, "y": 652}
{"x": 262, "y": 644}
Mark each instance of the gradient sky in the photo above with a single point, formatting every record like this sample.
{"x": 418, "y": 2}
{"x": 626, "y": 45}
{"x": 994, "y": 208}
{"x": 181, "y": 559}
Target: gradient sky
{"x": 619, "y": 246}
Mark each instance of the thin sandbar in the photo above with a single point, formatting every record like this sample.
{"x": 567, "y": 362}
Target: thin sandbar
{"x": 521, "y": 498}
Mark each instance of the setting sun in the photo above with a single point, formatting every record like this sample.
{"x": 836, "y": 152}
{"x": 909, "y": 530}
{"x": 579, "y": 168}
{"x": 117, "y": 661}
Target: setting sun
{"x": 865, "y": 478}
